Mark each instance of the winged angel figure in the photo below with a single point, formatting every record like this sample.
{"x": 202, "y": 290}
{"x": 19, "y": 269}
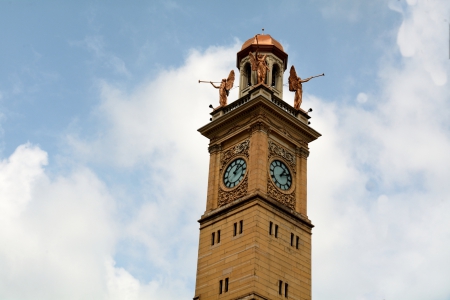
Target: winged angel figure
{"x": 295, "y": 85}
{"x": 224, "y": 88}
{"x": 258, "y": 62}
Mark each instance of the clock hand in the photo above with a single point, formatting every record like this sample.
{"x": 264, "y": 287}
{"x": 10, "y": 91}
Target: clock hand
{"x": 240, "y": 167}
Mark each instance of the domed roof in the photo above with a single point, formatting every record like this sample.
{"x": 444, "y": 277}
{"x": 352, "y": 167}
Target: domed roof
{"x": 263, "y": 43}
{"x": 263, "y": 39}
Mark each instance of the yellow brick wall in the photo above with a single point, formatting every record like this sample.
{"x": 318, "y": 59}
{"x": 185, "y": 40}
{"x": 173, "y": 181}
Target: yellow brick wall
{"x": 254, "y": 261}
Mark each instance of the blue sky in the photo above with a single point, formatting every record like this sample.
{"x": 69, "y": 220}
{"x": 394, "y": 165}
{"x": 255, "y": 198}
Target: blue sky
{"x": 103, "y": 173}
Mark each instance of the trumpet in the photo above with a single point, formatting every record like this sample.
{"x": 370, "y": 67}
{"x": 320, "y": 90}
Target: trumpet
{"x": 323, "y": 74}
{"x": 203, "y": 81}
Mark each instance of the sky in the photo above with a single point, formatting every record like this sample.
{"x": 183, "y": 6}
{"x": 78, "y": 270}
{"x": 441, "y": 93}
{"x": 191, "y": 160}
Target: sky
{"x": 103, "y": 174}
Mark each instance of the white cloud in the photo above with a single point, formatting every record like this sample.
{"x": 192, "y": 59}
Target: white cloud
{"x": 64, "y": 230}
{"x": 161, "y": 116}
{"x": 379, "y": 190}
{"x": 56, "y": 232}
{"x": 362, "y": 98}
{"x": 17, "y": 175}
{"x": 155, "y": 127}
{"x": 424, "y": 35}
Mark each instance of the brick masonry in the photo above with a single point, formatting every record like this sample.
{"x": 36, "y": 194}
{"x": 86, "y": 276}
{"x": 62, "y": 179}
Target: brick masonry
{"x": 255, "y": 261}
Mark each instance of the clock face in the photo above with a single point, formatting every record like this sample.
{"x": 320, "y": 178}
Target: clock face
{"x": 234, "y": 173}
{"x": 280, "y": 175}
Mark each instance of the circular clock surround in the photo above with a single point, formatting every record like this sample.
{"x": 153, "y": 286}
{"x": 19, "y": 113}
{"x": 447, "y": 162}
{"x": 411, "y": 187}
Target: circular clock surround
{"x": 234, "y": 172}
{"x": 280, "y": 175}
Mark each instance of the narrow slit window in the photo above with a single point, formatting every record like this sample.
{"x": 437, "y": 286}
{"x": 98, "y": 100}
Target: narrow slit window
{"x": 226, "y": 284}
{"x": 248, "y": 73}
{"x": 235, "y": 229}
{"x": 276, "y": 230}
{"x": 220, "y": 286}
{"x": 241, "y": 226}
{"x": 286, "y": 286}
{"x": 270, "y": 228}
{"x": 218, "y": 236}
{"x": 292, "y": 239}
{"x": 280, "y": 287}
{"x": 298, "y": 241}
{"x": 213, "y": 237}
{"x": 275, "y": 71}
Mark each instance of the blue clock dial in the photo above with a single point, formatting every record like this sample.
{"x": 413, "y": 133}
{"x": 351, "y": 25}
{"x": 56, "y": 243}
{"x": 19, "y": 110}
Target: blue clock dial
{"x": 280, "y": 175}
{"x": 234, "y": 173}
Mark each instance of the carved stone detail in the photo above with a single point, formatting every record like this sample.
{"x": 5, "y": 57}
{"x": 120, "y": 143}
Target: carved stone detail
{"x": 239, "y": 149}
{"x": 233, "y": 129}
{"x": 300, "y": 139}
{"x": 228, "y": 132}
{"x": 277, "y": 150}
{"x": 214, "y": 148}
{"x": 260, "y": 126}
{"x": 286, "y": 199}
{"x": 302, "y": 152}
{"x": 226, "y": 197}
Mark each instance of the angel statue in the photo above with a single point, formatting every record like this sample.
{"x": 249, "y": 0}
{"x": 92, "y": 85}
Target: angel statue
{"x": 224, "y": 88}
{"x": 259, "y": 64}
{"x": 295, "y": 85}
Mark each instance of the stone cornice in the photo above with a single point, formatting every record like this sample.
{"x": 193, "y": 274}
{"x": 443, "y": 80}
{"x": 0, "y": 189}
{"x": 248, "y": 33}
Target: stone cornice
{"x": 259, "y": 126}
{"x": 260, "y": 105}
{"x": 256, "y": 198}
{"x": 302, "y": 152}
{"x": 214, "y": 148}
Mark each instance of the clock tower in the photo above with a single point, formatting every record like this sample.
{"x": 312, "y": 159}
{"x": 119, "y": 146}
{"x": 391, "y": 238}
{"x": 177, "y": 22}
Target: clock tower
{"x": 255, "y": 235}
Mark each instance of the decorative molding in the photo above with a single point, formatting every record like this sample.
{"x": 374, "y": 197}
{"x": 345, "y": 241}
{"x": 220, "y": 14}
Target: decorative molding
{"x": 259, "y": 126}
{"x": 239, "y": 149}
{"x": 277, "y": 150}
{"x": 286, "y": 132}
{"x": 226, "y": 197}
{"x": 215, "y": 138}
{"x": 238, "y": 126}
{"x": 286, "y": 199}
{"x": 302, "y": 152}
{"x": 214, "y": 148}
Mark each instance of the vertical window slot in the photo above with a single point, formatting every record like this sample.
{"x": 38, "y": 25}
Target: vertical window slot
{"x": 226, "y": 284}
{"x": 248, "y": 72}
{"x": 292, "y": 239}
{"x": 280, "y": 287}
{"x": 276, "y": 230}
{"x": 275, "y": 71}
{"x": 235, "y": 229}
{"x": 213, "y": 237}
{"x": 220, "y": 286}
{"x": 298, "y": 241}
{"x": 286, "y": 290}
{"x": 241, "y": 226}
{"x": 270, "y": 228}
{"x": 218, "y": 236}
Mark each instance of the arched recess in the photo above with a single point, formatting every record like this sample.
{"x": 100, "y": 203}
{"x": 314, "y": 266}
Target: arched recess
{"x": 247, "y": 74}
{"x": 275, "y": 76}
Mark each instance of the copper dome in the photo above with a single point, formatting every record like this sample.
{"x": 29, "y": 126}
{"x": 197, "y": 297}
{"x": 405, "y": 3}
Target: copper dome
{"x": 263, "y": 39}
{"x": 262, "y": 43}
